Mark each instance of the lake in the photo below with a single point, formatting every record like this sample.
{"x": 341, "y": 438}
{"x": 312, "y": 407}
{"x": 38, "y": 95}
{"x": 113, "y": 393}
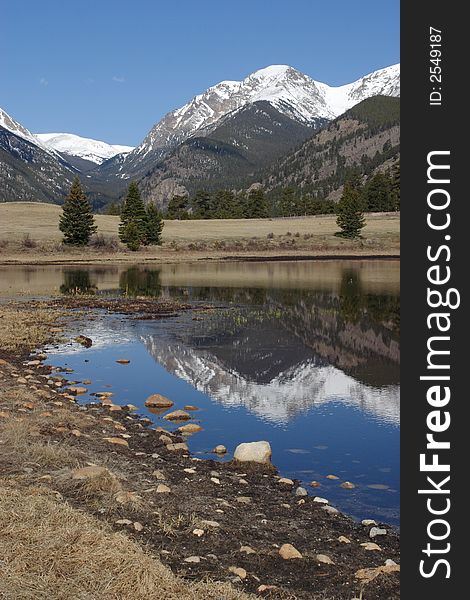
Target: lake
{"x": 302, "y": 354}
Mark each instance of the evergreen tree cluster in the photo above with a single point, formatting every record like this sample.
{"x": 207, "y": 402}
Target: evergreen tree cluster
{"x": 221, "y": 204}
{"x": 140, "y": 225}
{"x": 380, "y": 192}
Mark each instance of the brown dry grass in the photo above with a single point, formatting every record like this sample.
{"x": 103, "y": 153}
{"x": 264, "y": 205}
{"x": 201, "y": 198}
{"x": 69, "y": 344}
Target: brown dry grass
{"x": 186, "y": 240}
{"x": 52, "y": 551}
{"x": 22, "y": 329}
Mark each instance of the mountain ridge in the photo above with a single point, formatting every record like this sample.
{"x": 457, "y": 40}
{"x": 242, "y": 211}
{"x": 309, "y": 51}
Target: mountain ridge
{"x": 291, "y": 92}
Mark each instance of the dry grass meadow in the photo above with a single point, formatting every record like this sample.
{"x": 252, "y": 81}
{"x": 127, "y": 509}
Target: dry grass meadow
{"x": 29, "y": 233}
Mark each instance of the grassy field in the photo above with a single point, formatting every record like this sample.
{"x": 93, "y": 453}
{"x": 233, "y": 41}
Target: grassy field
{"x": 29, "y": 231}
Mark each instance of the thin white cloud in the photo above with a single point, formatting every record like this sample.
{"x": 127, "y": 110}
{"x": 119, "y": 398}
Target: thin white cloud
{"x": 89, "y": 81}
{"x": 43, "y": 81}
{"x": 118, "y": 79}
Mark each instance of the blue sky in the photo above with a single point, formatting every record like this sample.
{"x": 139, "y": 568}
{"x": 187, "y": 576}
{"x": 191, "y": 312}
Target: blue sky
{"x": 110, "y": 69}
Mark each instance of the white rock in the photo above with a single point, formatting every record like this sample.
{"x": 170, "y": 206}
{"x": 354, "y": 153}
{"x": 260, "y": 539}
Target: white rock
{"x": 258, "y": 452}
{"x": 320, "y": 500}
{"x": 375, "y": 531}
{"x": 300, "y": 491}
{"x": 368, "y": 522}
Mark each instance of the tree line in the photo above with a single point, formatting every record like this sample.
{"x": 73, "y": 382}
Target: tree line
{"x": 379, "y": 192}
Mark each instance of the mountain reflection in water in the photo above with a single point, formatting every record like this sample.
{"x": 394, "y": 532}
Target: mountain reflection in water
{"x": 279, "y": 353}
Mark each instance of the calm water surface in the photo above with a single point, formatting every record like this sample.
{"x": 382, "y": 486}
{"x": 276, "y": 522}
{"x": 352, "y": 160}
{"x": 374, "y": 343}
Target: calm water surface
{"x": 304, "y": 355}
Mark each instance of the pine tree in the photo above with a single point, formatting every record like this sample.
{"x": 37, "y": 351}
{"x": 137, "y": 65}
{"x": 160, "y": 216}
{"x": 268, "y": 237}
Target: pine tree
{"x": 132, "y": 234}
{"x": 133, "y": 211}
{"x": 153, "y": 226}
{"x": 378, "y": 193}
{"x": 257, "y": 205}
{"x": 202, "y": 205}
{"x": 288, "y": 203}
{"x": 177, "y": 208}
{"x": 349, "y": 211}
{"x": 77, "y": 222}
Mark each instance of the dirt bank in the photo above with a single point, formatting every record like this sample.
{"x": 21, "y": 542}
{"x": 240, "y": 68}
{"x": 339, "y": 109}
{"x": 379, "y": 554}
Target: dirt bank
{"x": 151, "y": 504}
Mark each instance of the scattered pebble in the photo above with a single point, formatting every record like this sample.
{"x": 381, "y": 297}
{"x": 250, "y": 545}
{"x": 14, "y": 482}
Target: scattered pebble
{"x": 193, "y": 559}
{"x": 238, "y": 571}
{"x": 370, "y": 546}
{"x": 77, "y": 390}
{"x": 368, "y": 522}
{"x": 375, "y": 531}
{"x": 158, "y": 401}
{"x": 247, "y": 550}
{"x": 344, "y": 540}
{"x": 324, "y": 558}
{"x": 288, "y": 552}
{"x": 213, "y": 524}
{"x": 117, "y": 441}
{"x": 163, "y": 489}
{"x": 177, "y": 415}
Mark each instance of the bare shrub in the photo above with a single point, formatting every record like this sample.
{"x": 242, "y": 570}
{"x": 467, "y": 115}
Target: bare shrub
{"x": 103, "y": 242}
{"x": 28, "y": 242}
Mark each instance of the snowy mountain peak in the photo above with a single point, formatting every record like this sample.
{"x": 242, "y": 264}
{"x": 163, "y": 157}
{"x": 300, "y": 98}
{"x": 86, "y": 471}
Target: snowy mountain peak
{"x": 291, "y": 92}
{"x": 85, "y": 148}
{"x": 8, "y": 123}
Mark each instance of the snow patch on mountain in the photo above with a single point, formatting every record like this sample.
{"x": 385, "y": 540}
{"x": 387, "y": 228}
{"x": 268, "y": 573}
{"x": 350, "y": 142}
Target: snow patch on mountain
{"x": 291, "y": 92}
{"x": 85, "y": 148}
{"x": 9, "y": 123}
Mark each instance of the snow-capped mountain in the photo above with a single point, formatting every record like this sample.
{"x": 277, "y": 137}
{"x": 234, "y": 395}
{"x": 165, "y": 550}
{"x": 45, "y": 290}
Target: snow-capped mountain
{"x": 84, "y": 148}
{"x": 291, "y": 92}
{"x": 9, "y": 123}
{"x": 28, "y": 169}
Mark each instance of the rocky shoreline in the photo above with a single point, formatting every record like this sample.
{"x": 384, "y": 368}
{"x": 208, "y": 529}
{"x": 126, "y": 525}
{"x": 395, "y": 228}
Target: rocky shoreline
{"x": 236, "y": 522}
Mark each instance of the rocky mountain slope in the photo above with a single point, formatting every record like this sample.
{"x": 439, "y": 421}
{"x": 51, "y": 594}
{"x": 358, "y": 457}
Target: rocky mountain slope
{"x": 289, "y": 91}
{"x": 364, "y": 139}
{"x": 28, "y": 169}
{"x": 244, "y": 141}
